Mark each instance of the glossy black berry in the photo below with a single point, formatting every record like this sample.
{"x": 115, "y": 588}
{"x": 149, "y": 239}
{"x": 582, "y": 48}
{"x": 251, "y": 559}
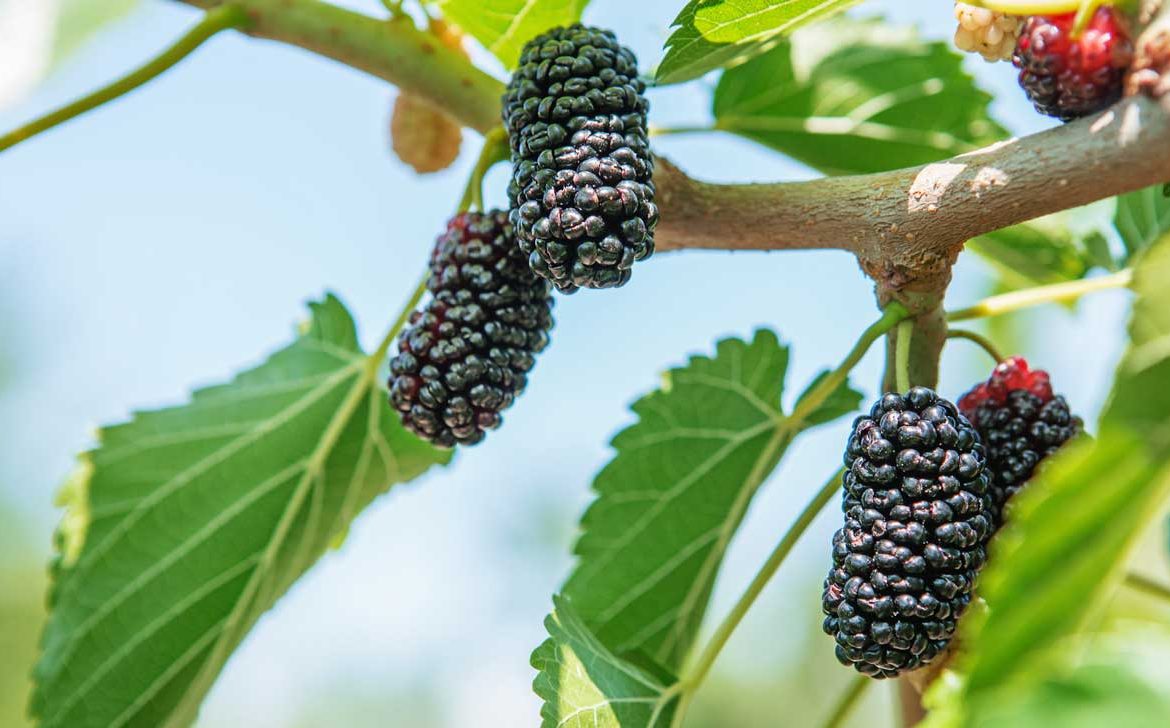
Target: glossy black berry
{"x": 465, "y": 356}
{"x": 917, "y": 522}
{"x": 581, "y": 191}
{"x": 1021, "y": 423}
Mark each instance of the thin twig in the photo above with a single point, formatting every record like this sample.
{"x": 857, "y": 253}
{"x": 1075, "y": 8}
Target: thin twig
{"x": 217, "y": 19}
{"x": 1148, "y": 586}
{"x": 983, "y": 342}
{"x": 698, "y": 673}
{"x": 1027, "y": 298}
{"x": 847, "y": 702}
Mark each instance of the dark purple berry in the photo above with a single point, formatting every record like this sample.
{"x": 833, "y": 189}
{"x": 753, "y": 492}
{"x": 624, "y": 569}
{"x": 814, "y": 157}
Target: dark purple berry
{"x": 918, "y": 516}
{"x": 465, "y": 355}
{"x": 581, "y": 191}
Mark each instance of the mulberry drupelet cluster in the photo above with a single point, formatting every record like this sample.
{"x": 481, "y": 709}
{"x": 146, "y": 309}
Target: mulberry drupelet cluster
{"x": 918, "y": 516}
{"x": 1069, "y": 76}
{"x": 581, "y": 191}
{"x": 989, "y": 33}
{"x": 1020, "y": 421}
{"x": 465, "y": 356}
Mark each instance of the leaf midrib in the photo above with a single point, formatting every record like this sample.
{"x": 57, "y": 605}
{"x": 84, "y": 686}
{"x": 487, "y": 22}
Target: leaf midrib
{"x": 190, "y": 702}
{"x": 366, "y": 367}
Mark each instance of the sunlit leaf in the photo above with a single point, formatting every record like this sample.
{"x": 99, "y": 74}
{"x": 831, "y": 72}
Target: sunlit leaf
{"x": 80, "y": 20}
{"x": 1072, "y": 530}
{"x": 1032, "y": 254}
{"x": 709, "y": 35}
{"x": 672, "y": 498}
{"x": 1142, "y": 217}
{"x": 853, "y": 97}
{"x": 584, "y": 685}
{"x": 504, "y": 26}
{"x": 186, "y": 524}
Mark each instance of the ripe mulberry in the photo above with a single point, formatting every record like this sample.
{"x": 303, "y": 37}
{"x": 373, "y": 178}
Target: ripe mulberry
{"x": 917, "y": 521}
{"x": 581, "y": 191}
{"x": 1069, "y": 77}
{"x": 465, "y": 356}
{"x": 1020, "y": 421}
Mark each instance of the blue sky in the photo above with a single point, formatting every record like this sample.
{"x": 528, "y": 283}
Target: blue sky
{"x": 167, "y": 240}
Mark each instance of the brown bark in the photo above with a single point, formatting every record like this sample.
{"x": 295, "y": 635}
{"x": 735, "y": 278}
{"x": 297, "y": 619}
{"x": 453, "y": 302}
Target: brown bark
{"x": 906, "y": 226}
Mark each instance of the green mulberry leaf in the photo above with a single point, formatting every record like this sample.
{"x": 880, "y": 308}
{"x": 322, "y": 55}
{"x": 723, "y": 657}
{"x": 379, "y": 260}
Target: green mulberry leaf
{"x": 584, "y": 685}
{"x": 1142, "y": 217}
{"x": 1071, "y": 531}
{"x": 186, "y": 524}
{"x": 504, "y": 26}
{"x": 852, "y": 97}
{"x": 672, "y": 498}
{"x": 711, "y": 35}
{"x": 1033, "y": 254}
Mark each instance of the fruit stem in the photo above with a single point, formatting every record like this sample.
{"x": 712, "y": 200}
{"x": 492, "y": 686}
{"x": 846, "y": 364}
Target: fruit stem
{"x": 703, "y": 665}
{"x": 495, "y": 149}
{"x": 892, "y": 315}
{"x": 1028, "y": 7}
{"x": 1084, "y": 14}
{"x": 1016, "y": 300}
{"x": 983, "y": 342}
{"x": 223, "y": 17}
{"x": 404, "y": 316}
{"x": 902, "y": 354}
{"x": 1148, "y": 586}
{"x": 848, "y": 701}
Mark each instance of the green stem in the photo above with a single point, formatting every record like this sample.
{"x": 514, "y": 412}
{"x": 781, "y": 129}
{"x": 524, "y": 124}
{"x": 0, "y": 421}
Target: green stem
{"x": 1055, "y": 293}
{"x": 410, "y": 58}
{"x": 215, "y": 20}
{"x": 404, "y": 316}
{"x": 495, "y": 149}
{"x": 1028, "y": 7}
{"x": 983, "y": 342}
{"x": 702, "y": 666}
{"x": 893, "y": 314}
{"x": 1148, "y": 586}
{"x": 902, "y": 355}
{"x": 1084, "y": 15}
{"x": 656, "y": 131}
{"x": 848, "y": 701}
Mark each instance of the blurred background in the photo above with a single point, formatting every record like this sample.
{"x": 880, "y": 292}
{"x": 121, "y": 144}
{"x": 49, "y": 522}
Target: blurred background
{"x": 171, "y": 238}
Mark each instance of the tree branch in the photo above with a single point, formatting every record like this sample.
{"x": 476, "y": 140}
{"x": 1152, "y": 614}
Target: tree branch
{"x": 921, "y": 216}
{"x": 906, "y": 226}
{"x": 394, "y": 50}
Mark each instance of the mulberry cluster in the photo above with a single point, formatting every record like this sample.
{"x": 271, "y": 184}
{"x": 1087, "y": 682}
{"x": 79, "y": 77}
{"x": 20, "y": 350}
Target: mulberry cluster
{"x": 989, "y": 33}
{"x": 918, "y": 516}
{"x": 581, "y": 191}
{"x": 1069, "y": 77}
{"x": 1020, "y": 421}
{"x": 466, "y": 355}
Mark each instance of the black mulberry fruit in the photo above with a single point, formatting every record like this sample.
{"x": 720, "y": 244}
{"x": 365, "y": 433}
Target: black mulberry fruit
{"x": 465, "y": 356}
{"x": 581, "y": 191}
{"x": 1069, "y": 77}
{"x": 917, "y": 521}
{"x": 1020, "y": 421}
